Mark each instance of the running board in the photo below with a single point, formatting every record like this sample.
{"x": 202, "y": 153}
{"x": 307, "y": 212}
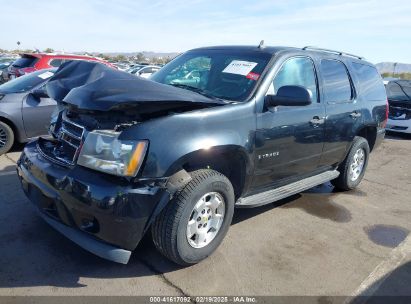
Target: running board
{"x": 273, "y": 195}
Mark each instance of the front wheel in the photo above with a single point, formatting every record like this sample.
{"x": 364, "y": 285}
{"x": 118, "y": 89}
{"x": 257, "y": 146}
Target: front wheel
{"x": 6, "y": 138}
{"x": 352, "y": 169}
{"x": 194, "y": 223}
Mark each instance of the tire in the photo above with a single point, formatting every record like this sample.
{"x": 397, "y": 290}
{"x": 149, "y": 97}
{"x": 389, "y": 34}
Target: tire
{"x": 170, "y": 230}
{"x": 6, "y": 138}
{"x": 349, "y": 179}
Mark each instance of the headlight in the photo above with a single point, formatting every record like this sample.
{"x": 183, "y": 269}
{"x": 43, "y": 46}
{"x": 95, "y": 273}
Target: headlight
{"x": 103, "y": 151}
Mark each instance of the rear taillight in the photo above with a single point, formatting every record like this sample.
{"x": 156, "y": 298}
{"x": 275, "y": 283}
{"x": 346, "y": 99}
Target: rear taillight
{"x": 387, "y": 110}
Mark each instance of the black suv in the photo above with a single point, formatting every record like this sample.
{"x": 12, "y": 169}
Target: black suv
{"x": 175, "y": 155}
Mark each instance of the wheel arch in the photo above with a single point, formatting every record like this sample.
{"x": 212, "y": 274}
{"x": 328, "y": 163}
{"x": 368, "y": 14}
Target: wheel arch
{"x": 369, "y": 132}
{"x": 12, "y": 125}
{"x": 231, "y": 160}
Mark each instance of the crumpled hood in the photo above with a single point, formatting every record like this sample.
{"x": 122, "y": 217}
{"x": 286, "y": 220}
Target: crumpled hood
{"x": 95, "y": 86}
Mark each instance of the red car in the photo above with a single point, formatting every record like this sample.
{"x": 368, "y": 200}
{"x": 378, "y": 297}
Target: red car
{"x": 31, "y": 62}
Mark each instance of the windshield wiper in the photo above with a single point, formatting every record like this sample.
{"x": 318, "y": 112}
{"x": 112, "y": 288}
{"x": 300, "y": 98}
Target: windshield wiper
{"x": 197, "y": 90}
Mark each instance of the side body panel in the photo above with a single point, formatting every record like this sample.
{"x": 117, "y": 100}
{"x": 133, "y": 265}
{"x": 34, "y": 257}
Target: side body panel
{"x": 36, "y": 114}
{"x": 10, "y": 109}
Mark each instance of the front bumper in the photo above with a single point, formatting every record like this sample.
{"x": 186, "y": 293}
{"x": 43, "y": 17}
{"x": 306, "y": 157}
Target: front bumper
{"x": 104, "y": 214}
{"x": 399, "y": 125}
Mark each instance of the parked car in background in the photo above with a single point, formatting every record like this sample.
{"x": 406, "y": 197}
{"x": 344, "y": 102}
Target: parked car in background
{"x": 4, "y": 76}
{"x": 144, "y": 71}
{"x": 192, "y": 78}
{"x": 25, "y": 108}
{"x": 121, "y": 66}
{"x": 30, "y": 62}
{"x": 399, "y": 99}
{"x": 133, "y": 156}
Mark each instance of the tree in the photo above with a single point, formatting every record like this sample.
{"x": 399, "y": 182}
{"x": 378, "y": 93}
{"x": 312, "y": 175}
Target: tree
{"x": 140, "y": 57}
{"x": 49, "y": 50}
{"x": 120, "y": 58}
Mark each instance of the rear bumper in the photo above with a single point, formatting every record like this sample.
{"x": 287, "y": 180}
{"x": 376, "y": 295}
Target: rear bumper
{"x": 379, "y": 138}
{"x": 105, "y": 215}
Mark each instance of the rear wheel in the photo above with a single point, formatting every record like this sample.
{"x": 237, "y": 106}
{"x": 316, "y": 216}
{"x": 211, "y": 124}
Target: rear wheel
{"x": 194, "y": 223}
{"x": 353, "y": 168}
{"x": 6, "y": 138}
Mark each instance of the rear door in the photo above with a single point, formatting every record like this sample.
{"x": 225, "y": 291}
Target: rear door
{"x": 343, "y": 110}
{"x": 289, "y": 140}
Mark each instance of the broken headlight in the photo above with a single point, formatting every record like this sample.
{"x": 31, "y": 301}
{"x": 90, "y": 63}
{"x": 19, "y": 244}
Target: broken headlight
{"x": 103, "y": 151}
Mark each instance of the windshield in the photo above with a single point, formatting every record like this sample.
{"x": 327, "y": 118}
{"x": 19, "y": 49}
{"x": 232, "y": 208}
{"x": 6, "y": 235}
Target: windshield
{"x": 399, "y": 90}
{"x": 27, "y": 82}
{"x": 224, "y": 74}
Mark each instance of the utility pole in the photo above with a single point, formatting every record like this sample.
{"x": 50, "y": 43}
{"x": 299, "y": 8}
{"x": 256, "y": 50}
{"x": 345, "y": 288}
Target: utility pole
{"x": 393, "y": 72}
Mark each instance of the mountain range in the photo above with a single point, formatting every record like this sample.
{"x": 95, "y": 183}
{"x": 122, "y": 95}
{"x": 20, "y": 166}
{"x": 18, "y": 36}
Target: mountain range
{"x": 391, "y": 67}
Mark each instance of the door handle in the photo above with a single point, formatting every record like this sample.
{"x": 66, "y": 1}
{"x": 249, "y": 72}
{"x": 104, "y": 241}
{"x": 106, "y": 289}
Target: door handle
{"x": 317, "y": 120}
{"x": 355, "y": 114}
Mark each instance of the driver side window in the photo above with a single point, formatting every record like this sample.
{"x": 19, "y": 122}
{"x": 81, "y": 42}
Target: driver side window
{"x": 297, "y": 71}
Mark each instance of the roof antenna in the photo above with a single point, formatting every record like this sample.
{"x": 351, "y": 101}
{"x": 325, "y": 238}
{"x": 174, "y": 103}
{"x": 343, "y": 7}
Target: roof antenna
{"x": 261, "y": 45}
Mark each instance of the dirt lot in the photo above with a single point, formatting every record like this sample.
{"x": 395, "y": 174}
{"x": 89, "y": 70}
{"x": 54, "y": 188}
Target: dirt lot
{"x": 319, "y": 243}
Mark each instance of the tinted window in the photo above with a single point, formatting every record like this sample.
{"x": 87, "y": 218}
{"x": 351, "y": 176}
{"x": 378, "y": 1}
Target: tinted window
{"x": 297, "y": 71}
{"x": 26, "y": 82}
{"x": 336, "y": 83}
{"x": 56, "y": 62}
{"x": 399, "y": 90}
{"x": 25, "y": 62}
{"x": 372, "y": 87}
{"x": 227, "y": 74}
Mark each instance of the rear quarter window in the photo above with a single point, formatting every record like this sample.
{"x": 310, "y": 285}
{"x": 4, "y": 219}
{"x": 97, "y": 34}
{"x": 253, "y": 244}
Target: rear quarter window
{"x": 371, "y": 85}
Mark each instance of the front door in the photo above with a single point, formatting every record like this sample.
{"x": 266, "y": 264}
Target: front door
{"x": 37, "y": 114}
{"x": 289, "y": 139}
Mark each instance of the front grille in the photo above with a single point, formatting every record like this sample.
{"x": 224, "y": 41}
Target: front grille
{"x": 70, "y": 137}
{"x": 399, "y": 113}
{"x": 65, "y": 149}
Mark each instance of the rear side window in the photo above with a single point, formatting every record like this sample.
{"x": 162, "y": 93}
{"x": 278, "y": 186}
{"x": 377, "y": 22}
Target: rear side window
{"x": 336, "y": 82}
{"x": 56, "y": 62}
{"x": 371, "y": 85}
{"x": 25, "y": 62}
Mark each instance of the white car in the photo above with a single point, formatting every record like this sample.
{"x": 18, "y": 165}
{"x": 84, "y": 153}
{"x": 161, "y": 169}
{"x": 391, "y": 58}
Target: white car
{"x": 399, "y": 99}
{"x": 145, "y": 71}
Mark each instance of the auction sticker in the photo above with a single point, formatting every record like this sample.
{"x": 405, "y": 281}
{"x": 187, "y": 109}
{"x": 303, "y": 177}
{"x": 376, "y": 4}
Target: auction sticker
{"x": 46, "y": 75}
{"x": 240, "y": 67}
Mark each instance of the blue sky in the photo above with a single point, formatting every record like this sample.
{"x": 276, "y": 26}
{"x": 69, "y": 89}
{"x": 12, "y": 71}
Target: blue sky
{"x": 378, "y": 30}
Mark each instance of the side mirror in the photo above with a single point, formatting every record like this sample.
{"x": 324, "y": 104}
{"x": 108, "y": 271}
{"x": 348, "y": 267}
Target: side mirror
{"x": 40, "y": 93}
{"x": 292, "y": 95}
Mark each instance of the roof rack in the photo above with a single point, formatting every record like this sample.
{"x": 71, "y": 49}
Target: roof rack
{"x": 313, "y": 48}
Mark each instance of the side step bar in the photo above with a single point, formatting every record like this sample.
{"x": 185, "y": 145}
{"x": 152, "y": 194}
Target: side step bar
{"x": 273, "y": 195}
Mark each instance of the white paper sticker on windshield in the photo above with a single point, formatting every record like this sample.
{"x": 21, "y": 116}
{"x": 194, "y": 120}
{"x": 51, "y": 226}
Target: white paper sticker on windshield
{"x": 240, "y": 67}
{"x": 46, "y": 75}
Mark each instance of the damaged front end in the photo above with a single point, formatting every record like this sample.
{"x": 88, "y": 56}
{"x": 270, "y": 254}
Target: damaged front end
{"x": 86, "y": 179}
{"x": 399, "y": 118}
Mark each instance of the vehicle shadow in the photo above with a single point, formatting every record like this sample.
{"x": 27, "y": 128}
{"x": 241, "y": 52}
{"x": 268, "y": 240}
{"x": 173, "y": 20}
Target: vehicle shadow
{"x": 34, "y": 254}
{"x": 17, "y": 147}
{"x": 397, "y": 136}
{"x": 394, "y": 287}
